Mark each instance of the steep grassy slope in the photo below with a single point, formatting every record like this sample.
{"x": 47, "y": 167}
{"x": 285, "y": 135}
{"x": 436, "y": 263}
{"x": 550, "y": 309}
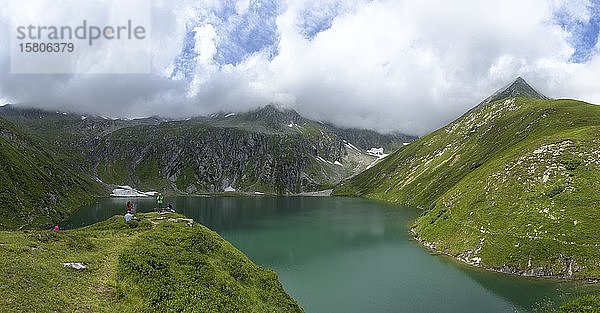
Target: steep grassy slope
{"x": 512, "y": 186}
{"x": 161, "y": 264}
{"x": 37, "y": 190}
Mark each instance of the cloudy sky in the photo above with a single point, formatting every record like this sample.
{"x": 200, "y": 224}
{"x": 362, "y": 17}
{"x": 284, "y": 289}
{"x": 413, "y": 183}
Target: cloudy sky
{"x": 391, "y": 65}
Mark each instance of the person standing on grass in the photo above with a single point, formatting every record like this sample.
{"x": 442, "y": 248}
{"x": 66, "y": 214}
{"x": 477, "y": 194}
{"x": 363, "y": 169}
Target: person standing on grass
{"x": 159, "y": 201}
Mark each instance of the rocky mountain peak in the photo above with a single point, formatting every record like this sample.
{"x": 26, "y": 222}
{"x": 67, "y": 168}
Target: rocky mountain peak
{"x": 518, "y": 88}
{"x": 276, "y": 115}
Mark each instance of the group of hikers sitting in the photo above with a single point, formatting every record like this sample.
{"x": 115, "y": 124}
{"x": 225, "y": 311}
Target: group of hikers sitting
{"x": 130, "y": 215}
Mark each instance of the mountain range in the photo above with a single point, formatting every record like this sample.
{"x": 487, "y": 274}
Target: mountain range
{"x": 267, "y": 150}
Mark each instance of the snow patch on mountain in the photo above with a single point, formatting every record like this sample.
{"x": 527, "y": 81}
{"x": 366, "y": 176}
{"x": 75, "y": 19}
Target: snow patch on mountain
{"x": 129, "y": 192}
{"x": 377, "y": 152}
{"x": 350, "y": 146}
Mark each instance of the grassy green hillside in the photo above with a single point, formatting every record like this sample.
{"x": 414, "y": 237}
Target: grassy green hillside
{"x": 161, "y": 264}
{"x": 37, "y": 189}
{"x": 512, "y": 186}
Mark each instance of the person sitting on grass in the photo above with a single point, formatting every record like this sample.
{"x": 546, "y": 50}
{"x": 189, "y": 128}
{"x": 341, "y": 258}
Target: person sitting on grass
{"x": 130, "y": 208}
{"x": 128, "y": 217}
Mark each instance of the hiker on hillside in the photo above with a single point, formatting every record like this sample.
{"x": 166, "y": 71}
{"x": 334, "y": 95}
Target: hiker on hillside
{"x": 130, "y": 208}
{"x": 159, "y": 201}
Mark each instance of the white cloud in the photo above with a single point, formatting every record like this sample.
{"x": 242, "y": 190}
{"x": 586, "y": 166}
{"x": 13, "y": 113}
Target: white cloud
{"x": 401, "y": 65}
{"x": 384, "y": 64}
{"x": 206, "y": 49}
{"x": 242, "y": 6}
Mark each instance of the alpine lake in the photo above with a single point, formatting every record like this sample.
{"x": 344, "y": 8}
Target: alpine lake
{"x": 336, "y": 254}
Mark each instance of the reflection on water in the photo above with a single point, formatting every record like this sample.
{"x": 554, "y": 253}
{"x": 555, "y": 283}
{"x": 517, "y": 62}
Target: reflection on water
{"x": 350, "y": 255}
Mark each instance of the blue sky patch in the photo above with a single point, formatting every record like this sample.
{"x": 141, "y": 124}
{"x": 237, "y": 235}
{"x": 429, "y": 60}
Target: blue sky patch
{"x": 239, "y": 35}
{"x": 317, "y": 19}
{"x": 584, "y": 35}
{"x": 185, "y": 63}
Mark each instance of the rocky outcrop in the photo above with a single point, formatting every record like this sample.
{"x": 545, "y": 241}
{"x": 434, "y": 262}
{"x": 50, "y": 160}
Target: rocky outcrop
{"x": 567, "y": 269}
{"x": 367, "y": 139}
{"x": 518, "y": 88}
{"x": 207, "y": 159}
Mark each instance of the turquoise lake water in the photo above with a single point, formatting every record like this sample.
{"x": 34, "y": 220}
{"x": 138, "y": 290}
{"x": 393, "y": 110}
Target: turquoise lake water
{"x": 350, "y": 255}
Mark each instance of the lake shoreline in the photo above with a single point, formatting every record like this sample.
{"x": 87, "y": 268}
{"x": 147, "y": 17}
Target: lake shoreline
{"x": 508, "y": 270}
{"x": 318, "y": 193}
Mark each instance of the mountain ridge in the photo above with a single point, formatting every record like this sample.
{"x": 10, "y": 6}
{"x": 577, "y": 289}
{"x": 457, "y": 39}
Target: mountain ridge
{"x": 508, "y": 186}
{"x": 276, "y": 149}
